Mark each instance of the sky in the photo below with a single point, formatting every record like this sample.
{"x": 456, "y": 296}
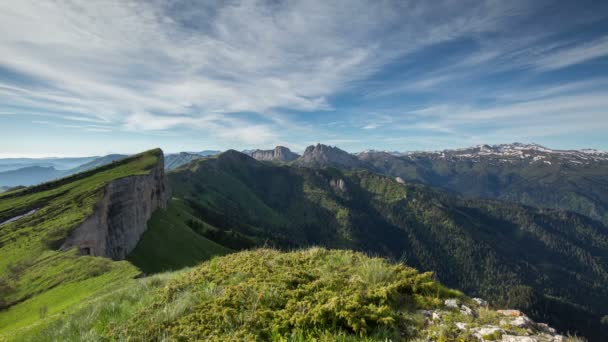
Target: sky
{"x": 96, "y": 77}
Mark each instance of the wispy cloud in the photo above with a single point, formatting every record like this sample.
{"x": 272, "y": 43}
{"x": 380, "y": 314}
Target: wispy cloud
{"x": 115, "y": 60}
{"x": 574, "y": 54}
{"x": 254, "y": 72}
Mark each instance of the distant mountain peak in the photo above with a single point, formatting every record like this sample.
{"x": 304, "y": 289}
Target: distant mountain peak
{"x": 518, "y": 151}
{"x": 279, "y": 153}
{"x": 325, "y": 155}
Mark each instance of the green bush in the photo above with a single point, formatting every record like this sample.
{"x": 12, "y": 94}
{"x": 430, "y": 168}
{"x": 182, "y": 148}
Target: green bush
{"x": 268, "y": 295}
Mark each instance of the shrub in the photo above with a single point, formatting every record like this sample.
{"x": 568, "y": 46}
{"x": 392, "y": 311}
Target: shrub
{"x": 265, "y": 294}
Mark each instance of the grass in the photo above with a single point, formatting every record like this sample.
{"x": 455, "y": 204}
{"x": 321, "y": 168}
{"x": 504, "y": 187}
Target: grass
{"x": 268, "y": 295}
{"x": 59, "y": 301}
{"x": 262, "y": 295}
{"x": 169, "y": 244}
{"x": 95, "y": 316}
{"x": 38, "y": 281}
{"x": 312, "y": 294}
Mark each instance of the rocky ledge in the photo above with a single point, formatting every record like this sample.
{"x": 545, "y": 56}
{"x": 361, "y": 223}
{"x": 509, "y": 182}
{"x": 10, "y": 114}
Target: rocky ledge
{"x": 121, "y": 216}
{"x": 475, "y": 321}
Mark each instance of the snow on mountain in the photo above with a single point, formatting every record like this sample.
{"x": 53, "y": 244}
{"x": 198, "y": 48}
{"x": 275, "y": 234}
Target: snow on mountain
{"x": 517, "y": 152}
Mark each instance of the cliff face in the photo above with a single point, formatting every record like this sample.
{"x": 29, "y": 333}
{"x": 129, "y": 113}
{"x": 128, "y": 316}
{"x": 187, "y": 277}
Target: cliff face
{"x": 279, "y": 153}
{"x": 120, "y": 217}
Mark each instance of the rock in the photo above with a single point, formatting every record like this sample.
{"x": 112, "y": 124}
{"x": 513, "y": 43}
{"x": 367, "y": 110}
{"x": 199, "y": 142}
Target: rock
{"x": 399, "y": 180}
{"x": 545, "y": 328}
{"x": 486, "y": 330}
{"x": 522, "y": 322}
{"x": 465, "y": 310}
{"x": 461, "y": 326}
{"x": 323, "y": 155}
{"x": 279, "y": 153}
{"x": 452, "y": 303}
{"x": 513, "y": 338}
{"x": 481, "y": 302}
{"x": 121, "y": 215}
{"x": 436, "y": 316}
{"x": 338, "y": 185}
{"x": 425, "y": 313}
{"x": 512, "y": 313}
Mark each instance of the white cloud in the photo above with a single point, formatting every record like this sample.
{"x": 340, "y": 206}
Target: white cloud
{"x": 237, "y": 70}
{"x": 371, "y": 126}
{"x": 519, "y": 118}
{"x": 574, "y": 55}
{"x": 114, "y": 60}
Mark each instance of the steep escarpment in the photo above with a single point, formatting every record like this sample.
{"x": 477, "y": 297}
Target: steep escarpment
{"x": 121, "y": 217}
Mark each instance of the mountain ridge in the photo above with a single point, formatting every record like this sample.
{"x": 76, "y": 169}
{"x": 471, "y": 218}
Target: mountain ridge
{"x": 471, "y": 244}
{"x": 53, "y": 233}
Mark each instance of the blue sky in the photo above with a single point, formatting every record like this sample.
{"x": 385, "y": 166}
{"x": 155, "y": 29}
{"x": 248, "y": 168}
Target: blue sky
{"x": 95, "y": 77}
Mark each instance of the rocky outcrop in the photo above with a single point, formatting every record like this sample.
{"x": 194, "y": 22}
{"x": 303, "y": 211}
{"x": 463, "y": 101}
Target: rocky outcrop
{"x": 322, "y": 155}
{"x": 338, "y": 185}
{"x": 280, "y": 153}
{"x": 120, "y": 217}
{"x": 475, "y": 321}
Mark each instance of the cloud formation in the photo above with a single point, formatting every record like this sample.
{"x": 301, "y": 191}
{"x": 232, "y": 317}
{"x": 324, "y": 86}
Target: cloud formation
{"x": 250, "y": 71}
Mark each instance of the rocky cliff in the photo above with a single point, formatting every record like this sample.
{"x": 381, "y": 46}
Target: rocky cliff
{"x": 120, "y": 217}
{"x": 280, "y": 153}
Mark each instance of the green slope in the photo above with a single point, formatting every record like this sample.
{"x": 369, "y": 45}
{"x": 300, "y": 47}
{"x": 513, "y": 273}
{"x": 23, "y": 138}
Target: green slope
{"x": 36, "y": 279}
{"x": 169, "y": 244}
{"x": 40, "y": 283}
{"x": 551, "y": 263}
{"x": 265, "y": 295}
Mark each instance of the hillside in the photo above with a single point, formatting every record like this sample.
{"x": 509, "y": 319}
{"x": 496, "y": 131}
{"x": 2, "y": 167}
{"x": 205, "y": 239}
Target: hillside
{"x": 527, "y": 174}
{"x": 52, "y": 234}
{"x": 175, "y": 160}
{"x": 64, "y": 262}
{"x": 312, "y": 295}
{"x": 551, "y": 263}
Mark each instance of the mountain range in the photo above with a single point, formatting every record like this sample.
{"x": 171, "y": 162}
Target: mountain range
{"x": 26, "y": 172}
{"x": 485, "y": 247}
{"x": 522, "y": 226}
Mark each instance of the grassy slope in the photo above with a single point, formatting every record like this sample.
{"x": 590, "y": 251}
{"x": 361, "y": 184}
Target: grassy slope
{"x": 265, "y": 295}
{"x": 504, "y": 252}
{"x": 169, "y": 244}
{"x": 37, "y": 280}
{"x": 260, "y": 295}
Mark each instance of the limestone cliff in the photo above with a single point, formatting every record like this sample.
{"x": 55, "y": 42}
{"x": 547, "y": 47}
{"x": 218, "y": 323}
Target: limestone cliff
{"x": 120, "y": 217}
